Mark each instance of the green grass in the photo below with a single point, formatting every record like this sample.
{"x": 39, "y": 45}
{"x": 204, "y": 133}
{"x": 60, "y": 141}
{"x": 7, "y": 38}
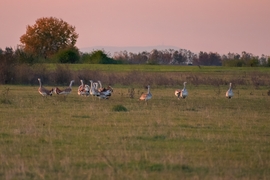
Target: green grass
{"x": 119, "y": 108}
{"x": 160, "y": 68}
{"x": 205, "y": 136}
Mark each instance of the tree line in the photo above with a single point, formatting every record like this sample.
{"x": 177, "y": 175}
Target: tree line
{"x": 72, "y": 55}
{"x": 52, "y": 40}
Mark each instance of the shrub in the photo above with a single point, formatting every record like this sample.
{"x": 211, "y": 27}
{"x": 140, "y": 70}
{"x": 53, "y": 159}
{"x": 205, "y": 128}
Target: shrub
{"x": 119, "y": 108}
{"x": 5, "y": 98}
{"x": 68, "y": 55}
{"x": 98, "y": 57}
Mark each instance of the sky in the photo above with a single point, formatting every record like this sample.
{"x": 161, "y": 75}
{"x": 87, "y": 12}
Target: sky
{"x": 220, "y": 26}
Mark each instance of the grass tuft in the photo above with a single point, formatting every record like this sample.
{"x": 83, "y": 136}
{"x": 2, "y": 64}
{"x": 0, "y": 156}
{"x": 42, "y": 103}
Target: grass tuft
{"x": 119, "y": 108}
{"x": 5, "y": 98}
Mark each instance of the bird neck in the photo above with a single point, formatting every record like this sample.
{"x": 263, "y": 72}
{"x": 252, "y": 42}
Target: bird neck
{"x": 91, "y": 85}
{"x": 100, "y": 85}
{"x": 70, "y": 84}
{"x": 39, "y": 83}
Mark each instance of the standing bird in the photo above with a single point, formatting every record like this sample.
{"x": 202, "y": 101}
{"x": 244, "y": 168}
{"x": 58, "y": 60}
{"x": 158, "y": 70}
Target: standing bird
{"x": 181, "y": 92}
{"x": 84, "y": 89}
{"x": 106, "y": 91}
{"x": 43, "y": 91}
{"x": 65, "y": 91}
{"x": 229, "y": 93}
{"x": 93, "y": 90}
{"x": 146, "y": 96}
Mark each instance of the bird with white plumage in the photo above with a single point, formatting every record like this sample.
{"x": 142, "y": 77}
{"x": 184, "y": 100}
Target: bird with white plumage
{"x": 43, "y": 91}
{"x": 146, "y": 96}
{"x": 229, "y": 93}
{"x": 83, "y": 89}
{"x": 181, "y": 93}
{"x": 65, "y": 91}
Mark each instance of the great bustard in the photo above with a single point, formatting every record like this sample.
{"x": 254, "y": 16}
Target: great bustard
{"x": 106, "y": 91}
{"x": 229, "y": 93}
{"x": 93, "y": 90}
{"x": 43, "y": 91}
{"x": 181, "y": 93}
{"x": 83, "y": 89}
{"x": 65, "y": 91}
{"x": 146, "y": 96}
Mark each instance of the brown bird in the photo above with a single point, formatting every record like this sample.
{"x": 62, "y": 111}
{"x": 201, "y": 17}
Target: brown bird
{"x": 84, "y": 89}
{"x": 43, "y": 91}
{"x": 65, "y": 91}
{"x": 146, "y": 96}
{"x": 106, "y": 91}
{"x": 181, "y": 92}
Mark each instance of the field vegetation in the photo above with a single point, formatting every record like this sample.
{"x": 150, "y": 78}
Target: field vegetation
{"x": 205, "y": 136}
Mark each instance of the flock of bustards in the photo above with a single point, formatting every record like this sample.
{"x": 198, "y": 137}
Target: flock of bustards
{"x": 96, "y": 89}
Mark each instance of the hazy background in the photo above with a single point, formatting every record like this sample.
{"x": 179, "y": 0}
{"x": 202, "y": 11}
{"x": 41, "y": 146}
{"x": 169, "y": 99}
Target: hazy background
{"x": 210, "y": 25}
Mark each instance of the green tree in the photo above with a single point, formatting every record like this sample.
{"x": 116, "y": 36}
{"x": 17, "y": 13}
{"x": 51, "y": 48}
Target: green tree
{"x": 24, "y": 57}
{"x": 7, "y": 63}
{"x": 68, "y": 55}
{"x": 98, "y": 57}
{"x": 47, "y": 36}
{"x": 268, "y": 62}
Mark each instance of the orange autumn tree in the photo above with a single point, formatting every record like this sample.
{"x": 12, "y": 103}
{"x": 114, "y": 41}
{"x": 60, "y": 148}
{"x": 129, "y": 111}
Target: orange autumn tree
{"x": 47, "y": 36}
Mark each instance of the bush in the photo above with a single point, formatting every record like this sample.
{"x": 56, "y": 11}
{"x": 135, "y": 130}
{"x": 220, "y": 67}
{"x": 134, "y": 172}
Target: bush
{"x": 69, "y": 55}
{"x": 119, "y": 108}
{"x": 98, "y": 57}
{"x": 233, "y": 63}
{"x": 4, "y": 99}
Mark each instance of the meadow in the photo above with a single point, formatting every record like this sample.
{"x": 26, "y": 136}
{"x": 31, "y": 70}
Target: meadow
{"x": 205, "y": 136}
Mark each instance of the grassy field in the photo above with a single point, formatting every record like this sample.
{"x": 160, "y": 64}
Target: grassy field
{"x": 205, "y": 136}
{"x": 160, "y": 68}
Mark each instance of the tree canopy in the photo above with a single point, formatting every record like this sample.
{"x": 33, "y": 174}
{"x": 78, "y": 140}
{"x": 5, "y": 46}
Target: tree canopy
{"x": 98, "y": 57}
{"x": 47, "y": 36}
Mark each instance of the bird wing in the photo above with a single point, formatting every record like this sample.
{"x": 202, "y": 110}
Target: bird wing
{"x": 177, "y": 92}
{"x": 143, "y": 96}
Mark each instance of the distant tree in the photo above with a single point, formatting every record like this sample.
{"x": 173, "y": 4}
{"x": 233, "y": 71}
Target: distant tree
{"x": 208, "y": 59}
{"x": 246, "y": 56}
{"x": 178, "y": 57}
{"x": 268, "y": 62}
{"x": 68, "y": 55}
{"x": 98, "y": 57}
{"x": 140, "y": 58}
{"x": 24, "y": 57}
{"x": 154, "y": 57}
{"x": 202, "y": 59}
{"x": 263, "y": 60}
{"x": 7, "y": 63}
{"x": 165, "y": 56}
{"x": 143, "y": 57}
{"x": 47, "y": 36}
{"x": 214, "y": 59}
{"x": 121, "y": 56}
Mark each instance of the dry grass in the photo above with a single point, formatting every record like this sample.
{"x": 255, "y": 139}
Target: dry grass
{"x": 205, "y": 136}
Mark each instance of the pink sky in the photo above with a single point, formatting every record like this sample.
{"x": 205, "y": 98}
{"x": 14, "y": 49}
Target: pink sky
{"x": 198, "y": 25}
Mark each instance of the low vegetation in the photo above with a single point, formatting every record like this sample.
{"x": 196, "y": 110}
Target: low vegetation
{"x": 119, "y": 108}
{"x": 205, "y": 136}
